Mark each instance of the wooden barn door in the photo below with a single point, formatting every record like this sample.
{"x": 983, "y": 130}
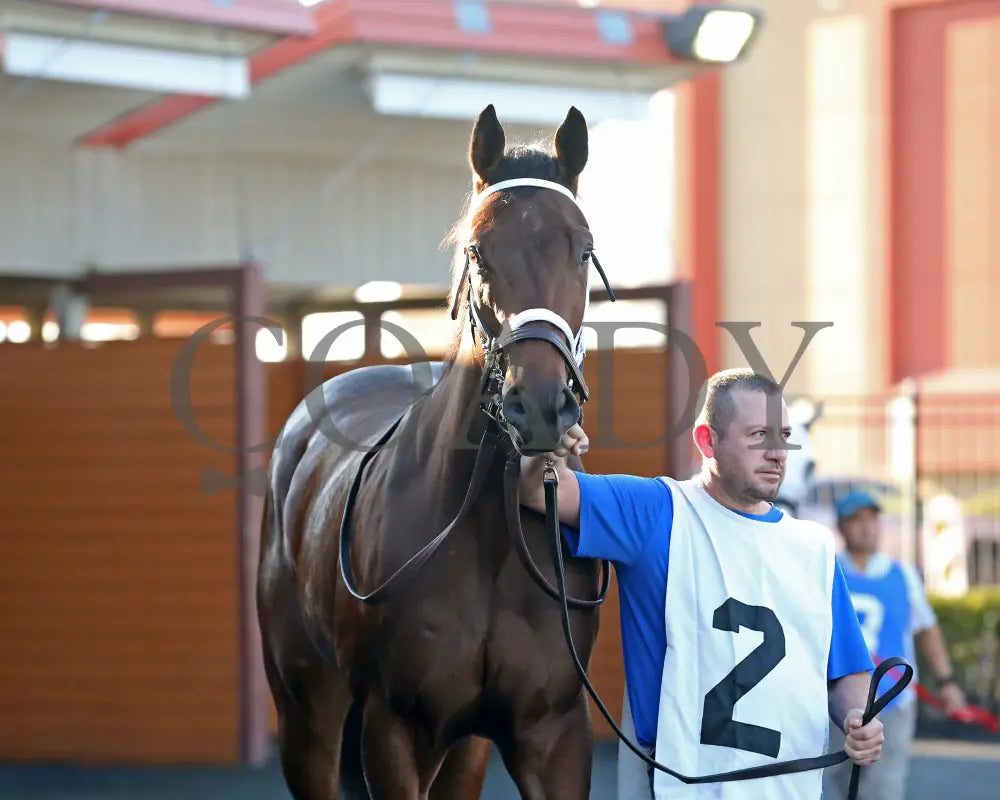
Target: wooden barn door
{"x": 129, "y": 535}
{"x": 118, "y": 586}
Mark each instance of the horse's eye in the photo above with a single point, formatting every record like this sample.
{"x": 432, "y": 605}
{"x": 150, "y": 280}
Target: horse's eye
{"x": 586, "y": 256}
{"x": 475, "y": 258}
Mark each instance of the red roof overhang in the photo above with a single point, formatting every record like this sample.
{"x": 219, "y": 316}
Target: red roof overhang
{"x": 272, "y": 16}
{"x": 552, "y": 30}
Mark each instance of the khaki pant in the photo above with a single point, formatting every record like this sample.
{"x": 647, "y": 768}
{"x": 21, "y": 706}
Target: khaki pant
{"x": 634, "y": 776}
{"x": 886, "y": 779}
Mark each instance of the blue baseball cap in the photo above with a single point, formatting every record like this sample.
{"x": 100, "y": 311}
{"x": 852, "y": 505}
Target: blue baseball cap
{"x": 852, "y": 502}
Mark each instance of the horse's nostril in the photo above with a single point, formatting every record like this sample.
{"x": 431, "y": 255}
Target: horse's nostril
{"x": 567, "y": 409}
{"x": 513, "y": 408}
{"x": 542, "y": 415}
{"x": 514, "y": 411}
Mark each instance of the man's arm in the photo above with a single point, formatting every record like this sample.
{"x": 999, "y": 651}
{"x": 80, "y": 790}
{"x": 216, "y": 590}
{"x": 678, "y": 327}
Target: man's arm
{"x": 930, "y": 640}
{"x": 616, "y": 518}
{"x": 533, "y": 490}
{"x": 847, "y": 697}
{"x": 849, "y": 693}
{"x": 848, "y": 673}
{"x": 931, "y": 644}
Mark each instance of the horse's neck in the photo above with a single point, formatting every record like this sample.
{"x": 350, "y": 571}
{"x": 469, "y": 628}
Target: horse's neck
{"x": 453, "y": 424}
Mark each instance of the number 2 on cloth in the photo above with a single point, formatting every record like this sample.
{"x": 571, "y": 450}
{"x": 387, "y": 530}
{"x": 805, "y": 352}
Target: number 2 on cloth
{"x": 717, "y": 724}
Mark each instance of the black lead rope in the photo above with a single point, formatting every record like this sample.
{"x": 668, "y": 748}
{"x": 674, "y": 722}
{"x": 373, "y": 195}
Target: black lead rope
{"x": 551, "y": 482}
{"x": 874, "y": 707}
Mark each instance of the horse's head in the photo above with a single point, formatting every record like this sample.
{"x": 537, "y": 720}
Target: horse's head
{"x": 526, "y": 252}
{"x": 800, "y": 463}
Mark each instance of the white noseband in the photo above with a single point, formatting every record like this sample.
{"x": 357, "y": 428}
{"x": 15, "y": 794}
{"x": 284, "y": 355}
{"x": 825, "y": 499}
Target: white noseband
{"x": 541, "y": 314}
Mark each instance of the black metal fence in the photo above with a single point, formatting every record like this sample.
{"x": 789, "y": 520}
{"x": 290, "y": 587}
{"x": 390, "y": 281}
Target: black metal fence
{"x": 933, "y": 459}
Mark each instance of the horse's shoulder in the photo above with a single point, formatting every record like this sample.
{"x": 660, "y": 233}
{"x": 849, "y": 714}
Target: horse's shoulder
{"x": 413, "y": 379}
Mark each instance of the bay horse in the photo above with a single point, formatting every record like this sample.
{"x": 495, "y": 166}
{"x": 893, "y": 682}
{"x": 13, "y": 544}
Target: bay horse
{"x": 397, "y": 694}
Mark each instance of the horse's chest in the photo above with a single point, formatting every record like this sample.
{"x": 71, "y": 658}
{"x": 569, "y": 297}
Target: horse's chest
{"x": 473, "y": 629}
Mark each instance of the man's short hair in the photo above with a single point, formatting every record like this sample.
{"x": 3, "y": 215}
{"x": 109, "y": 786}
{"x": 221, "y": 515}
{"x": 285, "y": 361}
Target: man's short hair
{"x": 718, "y": 410}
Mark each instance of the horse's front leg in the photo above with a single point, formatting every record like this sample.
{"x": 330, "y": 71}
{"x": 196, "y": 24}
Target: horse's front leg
{"x": 553, "y": 758}
{"x": 463, "y": 772}
{"x": 395, "y": 766}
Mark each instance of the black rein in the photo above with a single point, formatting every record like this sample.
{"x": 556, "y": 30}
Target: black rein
{"x": 484, "y": 459}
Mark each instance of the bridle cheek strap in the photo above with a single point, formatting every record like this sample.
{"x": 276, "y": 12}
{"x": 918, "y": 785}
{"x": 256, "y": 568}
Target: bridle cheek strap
{"x": 519, "y": 327}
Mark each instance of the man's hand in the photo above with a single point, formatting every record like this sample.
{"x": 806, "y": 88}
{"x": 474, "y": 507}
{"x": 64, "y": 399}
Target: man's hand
{"x": 863, "y": 744}
{"x": 574, "y": 442}
{"x": 952, "y": 697}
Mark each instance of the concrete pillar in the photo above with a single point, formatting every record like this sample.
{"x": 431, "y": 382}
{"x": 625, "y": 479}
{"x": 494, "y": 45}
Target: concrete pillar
{"x": 144, "y": 319}
{"x": 35, "y": 317}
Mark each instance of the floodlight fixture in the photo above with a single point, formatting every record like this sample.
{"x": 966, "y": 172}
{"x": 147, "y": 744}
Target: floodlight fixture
{"x": 713, "y": 32}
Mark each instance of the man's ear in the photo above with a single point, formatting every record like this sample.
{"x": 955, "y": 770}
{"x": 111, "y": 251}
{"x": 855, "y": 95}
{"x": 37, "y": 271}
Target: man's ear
{"x": 704, "y": 439}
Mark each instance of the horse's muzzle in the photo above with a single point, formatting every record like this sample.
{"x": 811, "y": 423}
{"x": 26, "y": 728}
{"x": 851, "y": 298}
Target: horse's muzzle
{"x": 538, "y": 414}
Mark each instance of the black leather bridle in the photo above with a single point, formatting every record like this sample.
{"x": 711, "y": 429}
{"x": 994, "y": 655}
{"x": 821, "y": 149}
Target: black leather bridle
{"x": 496, "y": 343}
{"x": 523, "y": 326}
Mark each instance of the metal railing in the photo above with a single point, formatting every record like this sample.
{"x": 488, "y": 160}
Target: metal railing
{"x": 933, "y": 459}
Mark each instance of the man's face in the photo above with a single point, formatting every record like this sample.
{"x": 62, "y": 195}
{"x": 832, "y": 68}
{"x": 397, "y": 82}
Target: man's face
{"x": 861, "y": 531}
{"x": 750, "y": 456}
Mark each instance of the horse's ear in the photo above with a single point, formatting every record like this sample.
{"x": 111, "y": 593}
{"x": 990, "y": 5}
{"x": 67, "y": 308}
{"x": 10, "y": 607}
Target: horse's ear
{"x": 806, "y": 411}
{"x": 817, "y": 412}
{"x": 571, "y": 145}
{"x": 487, "y": 145}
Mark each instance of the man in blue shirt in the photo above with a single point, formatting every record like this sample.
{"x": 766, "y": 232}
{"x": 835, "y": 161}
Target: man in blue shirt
{"x": 893, "y": 611}
{"x": 632, "y": 520}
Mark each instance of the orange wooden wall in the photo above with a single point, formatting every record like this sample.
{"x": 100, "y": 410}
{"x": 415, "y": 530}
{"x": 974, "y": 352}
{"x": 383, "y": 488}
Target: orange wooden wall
{"x": 118, "y": 595}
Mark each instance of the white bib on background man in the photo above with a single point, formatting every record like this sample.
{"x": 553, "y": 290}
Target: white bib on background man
{"x": 749, "y": 624}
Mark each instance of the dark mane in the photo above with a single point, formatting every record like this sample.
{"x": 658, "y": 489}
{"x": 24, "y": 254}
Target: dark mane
{"x": 519, "y": 161}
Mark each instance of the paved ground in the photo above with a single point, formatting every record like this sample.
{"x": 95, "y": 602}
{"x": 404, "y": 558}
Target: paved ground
{"x": 948, "y": 770}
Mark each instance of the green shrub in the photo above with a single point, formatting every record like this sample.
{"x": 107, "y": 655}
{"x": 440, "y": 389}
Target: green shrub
{"x": 971, "y": 628}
